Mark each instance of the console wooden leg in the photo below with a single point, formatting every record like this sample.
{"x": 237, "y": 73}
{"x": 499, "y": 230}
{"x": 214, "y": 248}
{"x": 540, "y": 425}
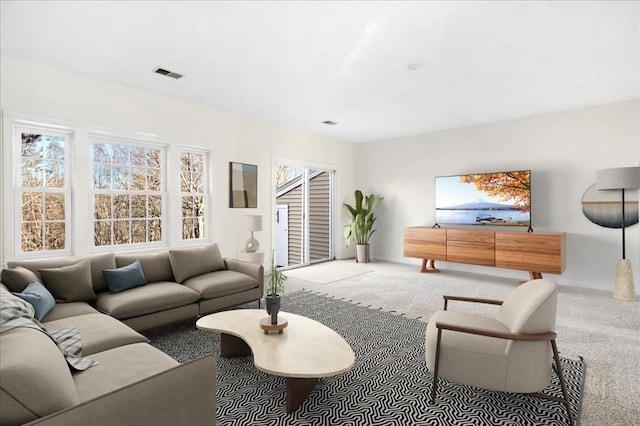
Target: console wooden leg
{"x": 429, "y": 265}
{"x": 297, "y": 391}
{"x": 535, "y": 275}
{"x": 232, "y": 346}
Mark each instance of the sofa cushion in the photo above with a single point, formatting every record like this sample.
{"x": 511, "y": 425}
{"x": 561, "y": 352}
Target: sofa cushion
{"x": 191, "y": 261}
{"x": 98, "y": 332}
{"x": 36, "y": 380}
{"x": 98, "y": 263}
{"x": 142, "y": 361}
{"x": 153, "y": 297}
{"x": 69, "y": 309}
{"x": 155, "y": 266}
{"x": 39, "y": 297}
{"x": 124, "y": 278}
{"x": 16, "y": 313}
{"x": 18, "y": 278}
{"x": 221, "y": 283}
{"x": 46, "y": 263}
{"x": 70, "y": 283}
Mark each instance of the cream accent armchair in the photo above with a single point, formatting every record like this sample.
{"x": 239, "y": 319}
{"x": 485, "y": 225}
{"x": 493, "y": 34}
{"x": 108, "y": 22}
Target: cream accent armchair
{"x": 511, "y": 353}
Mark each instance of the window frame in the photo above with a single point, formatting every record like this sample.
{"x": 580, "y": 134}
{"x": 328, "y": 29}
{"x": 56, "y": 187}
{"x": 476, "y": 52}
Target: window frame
{"x": 165, "y": 220}
{"x": 20, "y": 127}
{"x": 79, "y": 220}
{"x": 206, "y": 194}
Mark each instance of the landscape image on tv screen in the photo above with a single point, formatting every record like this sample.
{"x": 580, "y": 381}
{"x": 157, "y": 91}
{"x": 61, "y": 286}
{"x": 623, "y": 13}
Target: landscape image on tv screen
{"x": 501, "y": 198}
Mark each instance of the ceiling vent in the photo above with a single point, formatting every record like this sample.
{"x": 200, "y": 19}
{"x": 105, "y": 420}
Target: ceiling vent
{"x": 168, "y": 73}
{"x": 329, "y": 123}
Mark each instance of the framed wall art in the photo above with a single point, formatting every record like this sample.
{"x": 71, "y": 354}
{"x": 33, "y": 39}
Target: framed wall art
{"x": 604, "y": 208}
{"x": 243, "y": 185}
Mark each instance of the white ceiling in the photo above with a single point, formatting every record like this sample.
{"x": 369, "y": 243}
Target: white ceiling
{"x": 301, "y": 63}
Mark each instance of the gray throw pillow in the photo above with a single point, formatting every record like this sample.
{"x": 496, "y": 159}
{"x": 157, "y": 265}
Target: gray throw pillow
{"x": 121, "y": 279}
{"x": 18, "y": 278}
{"x": 70, "y": 283}
{"x": 192, "y": 261}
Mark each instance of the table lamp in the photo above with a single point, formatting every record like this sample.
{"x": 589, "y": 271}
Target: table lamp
{"x": 252, "y": 223}
{"x": 621, "y": 178}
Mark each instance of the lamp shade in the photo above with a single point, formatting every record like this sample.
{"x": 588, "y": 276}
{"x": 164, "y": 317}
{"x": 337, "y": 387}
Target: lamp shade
{"x": 253, "y": 223}
{"x": 618, "y": 178}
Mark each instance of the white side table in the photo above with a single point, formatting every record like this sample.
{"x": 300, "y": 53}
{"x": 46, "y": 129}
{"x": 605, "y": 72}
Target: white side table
{"x": 255, "y": 257}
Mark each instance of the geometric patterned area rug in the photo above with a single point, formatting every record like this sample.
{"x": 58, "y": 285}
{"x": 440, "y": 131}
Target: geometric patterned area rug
{"x": 388, "y": 385}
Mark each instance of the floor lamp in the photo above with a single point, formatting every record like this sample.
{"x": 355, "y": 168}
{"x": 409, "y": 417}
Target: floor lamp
{"x": 621, "y": 178}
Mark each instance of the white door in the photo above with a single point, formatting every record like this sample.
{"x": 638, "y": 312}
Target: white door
{"x": 282, "y": 235}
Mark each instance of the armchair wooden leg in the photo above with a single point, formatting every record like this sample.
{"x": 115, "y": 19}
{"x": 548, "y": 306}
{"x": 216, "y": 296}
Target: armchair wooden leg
{"x": 565, "y": 395}
{"x": 434, "y": 387}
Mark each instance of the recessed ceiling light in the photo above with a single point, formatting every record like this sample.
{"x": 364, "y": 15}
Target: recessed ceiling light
{"x": 167, "y": 73}
{"x": 329, "y": 123}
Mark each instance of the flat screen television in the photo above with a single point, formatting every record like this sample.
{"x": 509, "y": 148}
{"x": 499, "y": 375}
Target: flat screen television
{"x": 499, "y": 198}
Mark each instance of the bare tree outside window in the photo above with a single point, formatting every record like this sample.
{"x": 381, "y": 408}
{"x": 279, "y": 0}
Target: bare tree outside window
{"x": 127, "y": 193}
{"x": 127, "y": 187}
{"x": 193, "y": 190}
{"x": 42, "y": 188}
{"x": 286, "y": 174}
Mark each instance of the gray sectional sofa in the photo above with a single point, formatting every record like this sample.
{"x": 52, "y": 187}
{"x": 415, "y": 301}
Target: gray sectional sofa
{"x": 133, "y": 383}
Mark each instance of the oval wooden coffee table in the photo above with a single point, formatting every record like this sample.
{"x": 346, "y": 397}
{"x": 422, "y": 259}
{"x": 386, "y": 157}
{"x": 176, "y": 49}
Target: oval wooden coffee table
{"x": 304, "y": 352}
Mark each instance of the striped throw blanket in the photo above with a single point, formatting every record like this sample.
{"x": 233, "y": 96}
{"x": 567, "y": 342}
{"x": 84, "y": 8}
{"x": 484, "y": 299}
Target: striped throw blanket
{"x": 15, "y": 312}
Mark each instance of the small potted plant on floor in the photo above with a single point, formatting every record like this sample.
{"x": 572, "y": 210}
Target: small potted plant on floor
{"x": 274, "y": 289}
{"x": 360, "y": 226}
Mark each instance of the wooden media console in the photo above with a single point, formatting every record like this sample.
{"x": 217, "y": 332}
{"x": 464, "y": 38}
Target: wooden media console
{"x": 535, "y": 252}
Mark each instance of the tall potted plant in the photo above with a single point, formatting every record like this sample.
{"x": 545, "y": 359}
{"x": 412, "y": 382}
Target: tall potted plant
{"x": 360, "y": 226}
{"x": 274, "y": 289}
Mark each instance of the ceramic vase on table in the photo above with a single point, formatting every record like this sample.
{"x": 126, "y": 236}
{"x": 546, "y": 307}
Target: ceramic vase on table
{"x": 273, "y": 307}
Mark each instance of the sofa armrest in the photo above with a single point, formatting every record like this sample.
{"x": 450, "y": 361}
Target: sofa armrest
{"x": 183, "y": 395}
{"x": 252, "y": 269}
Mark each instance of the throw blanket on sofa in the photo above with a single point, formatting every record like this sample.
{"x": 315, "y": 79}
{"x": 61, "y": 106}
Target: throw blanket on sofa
{"x": 16, "y": 312}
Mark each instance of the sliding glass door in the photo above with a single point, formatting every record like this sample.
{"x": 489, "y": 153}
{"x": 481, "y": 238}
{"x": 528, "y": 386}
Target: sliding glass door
{"x": 304, "y": 215}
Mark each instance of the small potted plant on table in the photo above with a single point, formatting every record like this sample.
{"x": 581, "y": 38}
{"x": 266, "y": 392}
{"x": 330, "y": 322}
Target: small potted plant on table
{"x": 274, "y": 289}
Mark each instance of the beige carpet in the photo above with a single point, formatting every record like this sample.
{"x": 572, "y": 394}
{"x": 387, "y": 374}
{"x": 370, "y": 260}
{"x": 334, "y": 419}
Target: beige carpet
{"x": 328, "y": 272}
{"x": 590, "y": 323}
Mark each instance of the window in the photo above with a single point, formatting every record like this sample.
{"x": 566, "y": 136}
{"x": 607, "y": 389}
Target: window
{"x": 128, "y": 197}
{"x": 43, "y": 192}
{"x": 65, "y": 181}
{"x": 193, "y": 191}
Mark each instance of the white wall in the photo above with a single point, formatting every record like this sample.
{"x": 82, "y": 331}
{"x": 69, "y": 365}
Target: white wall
{"x": 49, "y": 93}
{"x": 563, "y": 150}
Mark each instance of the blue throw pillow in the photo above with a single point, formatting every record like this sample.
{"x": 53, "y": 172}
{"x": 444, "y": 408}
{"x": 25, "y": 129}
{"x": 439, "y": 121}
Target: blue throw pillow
{"x": 39, "y": 297}
{"x": 121, "y": 279}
